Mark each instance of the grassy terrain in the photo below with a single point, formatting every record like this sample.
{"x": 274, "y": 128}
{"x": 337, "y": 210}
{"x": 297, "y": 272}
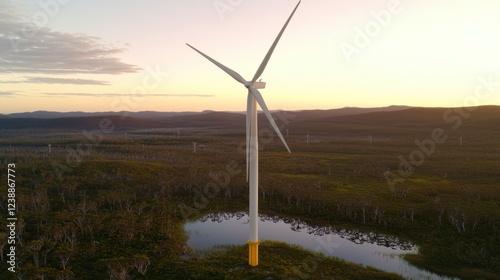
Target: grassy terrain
{"x": 276, "y": 261}
{"x": 111, "y": 205}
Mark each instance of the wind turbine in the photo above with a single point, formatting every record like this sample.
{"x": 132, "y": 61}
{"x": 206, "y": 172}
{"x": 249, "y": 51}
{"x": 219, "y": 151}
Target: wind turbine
{"x": 252, "y": 156}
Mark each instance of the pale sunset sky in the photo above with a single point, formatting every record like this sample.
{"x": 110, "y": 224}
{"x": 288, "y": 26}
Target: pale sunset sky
{"x": 113, "y": 55}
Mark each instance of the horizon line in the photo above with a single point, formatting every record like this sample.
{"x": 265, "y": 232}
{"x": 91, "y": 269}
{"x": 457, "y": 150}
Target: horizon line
{"x": 229, "y": 111}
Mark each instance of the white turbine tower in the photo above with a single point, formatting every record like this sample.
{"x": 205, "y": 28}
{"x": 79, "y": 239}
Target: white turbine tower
{"x": 252, "y": 156}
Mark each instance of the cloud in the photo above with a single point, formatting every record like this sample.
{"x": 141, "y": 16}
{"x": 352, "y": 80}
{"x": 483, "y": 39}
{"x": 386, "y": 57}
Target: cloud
{"x": 9, "y": 93}
{"x": 44, "y": 80}
{"x": 27, "y": 48}
{"x": 125, "y": 95}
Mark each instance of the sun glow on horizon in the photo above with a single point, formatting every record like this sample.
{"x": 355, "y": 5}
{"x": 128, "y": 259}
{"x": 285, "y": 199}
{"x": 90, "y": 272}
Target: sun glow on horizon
{"x": 333, "y": 54}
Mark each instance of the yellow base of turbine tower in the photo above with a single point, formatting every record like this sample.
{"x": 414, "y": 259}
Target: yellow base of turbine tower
{"x": 253, "y": 253}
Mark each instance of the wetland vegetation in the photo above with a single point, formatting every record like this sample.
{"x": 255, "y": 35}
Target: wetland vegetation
{"x": 110, "y": 199}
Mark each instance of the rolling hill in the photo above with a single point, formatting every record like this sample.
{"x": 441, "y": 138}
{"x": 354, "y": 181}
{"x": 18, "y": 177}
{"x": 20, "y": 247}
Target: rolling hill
{"x": 371, "y": 120}
{"x": 76, "y": 123}
{"x": 410, "y": 122}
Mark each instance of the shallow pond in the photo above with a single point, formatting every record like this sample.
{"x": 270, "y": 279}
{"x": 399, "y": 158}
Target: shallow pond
{"x": 378, "y": 250}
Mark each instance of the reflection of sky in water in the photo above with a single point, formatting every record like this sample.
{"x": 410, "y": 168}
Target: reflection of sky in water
{"x": 232, "y": 229}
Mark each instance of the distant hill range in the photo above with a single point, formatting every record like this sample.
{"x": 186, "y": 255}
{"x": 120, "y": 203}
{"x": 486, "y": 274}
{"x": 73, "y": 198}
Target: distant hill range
{"x": 307, "y": 120}
{"x": 303, "y": 115}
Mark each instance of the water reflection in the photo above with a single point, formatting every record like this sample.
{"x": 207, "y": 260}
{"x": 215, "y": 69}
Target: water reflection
{"x": 297, "y": 225}
{"x": 367, "y": 248}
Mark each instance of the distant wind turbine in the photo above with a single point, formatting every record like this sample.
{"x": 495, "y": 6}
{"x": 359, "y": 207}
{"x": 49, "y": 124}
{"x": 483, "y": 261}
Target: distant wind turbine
{"x": 252, "y": 156}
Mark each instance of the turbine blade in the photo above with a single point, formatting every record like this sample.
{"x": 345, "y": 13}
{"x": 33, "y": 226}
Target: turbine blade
{"x": 263, "y": 105}
{"x": 249, "y": 111}
{"x": 231, "y": 73}
{"x": 270, "y": 52}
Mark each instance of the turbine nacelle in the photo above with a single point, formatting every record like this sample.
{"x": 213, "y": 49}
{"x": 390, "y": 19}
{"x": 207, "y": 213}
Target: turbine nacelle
{"x": 259, "y": 85}
{"x": 256, "y": 85}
